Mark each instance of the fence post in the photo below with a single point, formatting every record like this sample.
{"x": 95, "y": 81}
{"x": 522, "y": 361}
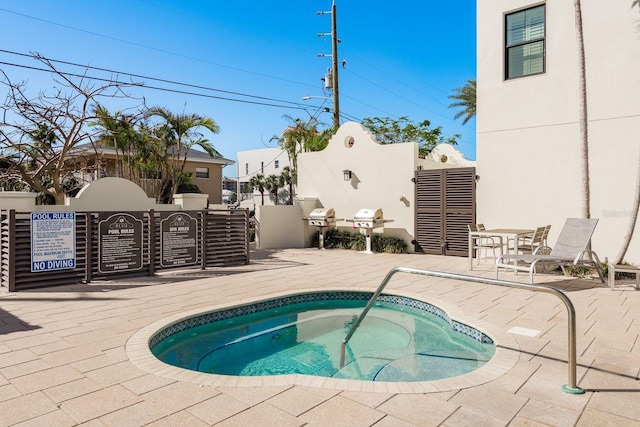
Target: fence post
{"x": 11, "y": 240}
{"x": 247, "y": 218}
{"x": 152, "y": 242}
{"x": 88, "y": 268}
{"x": 203, "y": 241}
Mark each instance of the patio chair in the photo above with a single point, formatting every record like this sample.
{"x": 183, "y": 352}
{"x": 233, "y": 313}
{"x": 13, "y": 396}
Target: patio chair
{"x": 531, "y": 245}
{"x": 546, "y": 234}
{"x": 496, "y": 239}
{"x": 571, "y": 248}
{"x": 485, "y": 243}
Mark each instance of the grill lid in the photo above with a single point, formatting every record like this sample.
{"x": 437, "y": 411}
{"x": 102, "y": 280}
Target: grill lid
{"x": 368, "y": 214}
{"x": 322, "y": 213}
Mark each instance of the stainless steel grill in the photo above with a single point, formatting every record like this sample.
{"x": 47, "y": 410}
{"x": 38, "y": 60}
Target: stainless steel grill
{"x": 322, "y": 217}
{"x": 368, "y": 218}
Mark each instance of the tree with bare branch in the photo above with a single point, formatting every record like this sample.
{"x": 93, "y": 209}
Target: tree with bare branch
{"x": 38, "y": 134}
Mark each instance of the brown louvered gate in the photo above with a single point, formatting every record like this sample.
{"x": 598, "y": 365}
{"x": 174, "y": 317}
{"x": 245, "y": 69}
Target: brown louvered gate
{"x": 222, "y": 240}
{"x": 445, "y": 204}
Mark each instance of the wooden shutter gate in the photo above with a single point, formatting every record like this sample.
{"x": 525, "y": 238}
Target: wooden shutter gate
{"x": 445, "y": 204}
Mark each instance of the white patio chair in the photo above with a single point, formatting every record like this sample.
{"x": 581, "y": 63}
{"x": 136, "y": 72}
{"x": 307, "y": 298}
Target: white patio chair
{"x": 572, "y": 248}
{"x": 485, "y": 243}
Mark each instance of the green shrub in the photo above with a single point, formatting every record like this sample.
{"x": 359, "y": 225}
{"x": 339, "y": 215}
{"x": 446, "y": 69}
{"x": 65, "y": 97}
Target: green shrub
{"x": 579, "y": 270}
{"x": 393, "y": 245}
{"x": 335, "y": 239}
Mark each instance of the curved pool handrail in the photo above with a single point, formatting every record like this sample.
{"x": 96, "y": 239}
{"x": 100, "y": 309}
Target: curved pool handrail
{"x": 571, "y": 387}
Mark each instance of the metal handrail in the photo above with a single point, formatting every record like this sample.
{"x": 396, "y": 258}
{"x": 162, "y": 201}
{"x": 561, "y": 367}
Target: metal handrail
{"x": 571, "y": 387}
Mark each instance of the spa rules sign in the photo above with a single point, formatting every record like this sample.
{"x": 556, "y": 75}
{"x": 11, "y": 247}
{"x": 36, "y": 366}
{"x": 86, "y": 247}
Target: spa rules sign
{"x": 178, "y": 239}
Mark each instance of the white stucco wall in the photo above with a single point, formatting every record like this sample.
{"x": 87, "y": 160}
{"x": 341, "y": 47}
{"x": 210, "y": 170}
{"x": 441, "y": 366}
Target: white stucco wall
{"x": 262, "y": 161}
{"x": 381, "y": 178}
{"x": 279, "y": 227}
{"x": 18, "y": 200}
{"x": 111, "y": 194}
{"x": 528, "y": 147}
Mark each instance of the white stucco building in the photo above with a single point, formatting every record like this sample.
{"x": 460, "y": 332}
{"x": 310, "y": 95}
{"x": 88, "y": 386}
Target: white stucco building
{"x": 528, "y": 144}
{"x": 380, "y": 177}
{"x": 265, "y": 161}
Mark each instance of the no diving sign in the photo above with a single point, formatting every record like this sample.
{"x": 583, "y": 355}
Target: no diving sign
{"x": 53, "y": 241}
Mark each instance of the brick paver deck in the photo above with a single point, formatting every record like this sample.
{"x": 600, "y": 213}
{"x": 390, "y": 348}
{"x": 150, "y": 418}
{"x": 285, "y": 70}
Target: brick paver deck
{"x": 64, "y": 359}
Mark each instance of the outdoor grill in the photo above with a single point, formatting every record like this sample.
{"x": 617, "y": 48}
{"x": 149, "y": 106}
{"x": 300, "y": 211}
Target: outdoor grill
{"x": 322, "y": 218}
{"x": 368, "y": 219}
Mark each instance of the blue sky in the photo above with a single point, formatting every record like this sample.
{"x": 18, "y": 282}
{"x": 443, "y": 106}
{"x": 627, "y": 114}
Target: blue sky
{"x": 402, "y": 59}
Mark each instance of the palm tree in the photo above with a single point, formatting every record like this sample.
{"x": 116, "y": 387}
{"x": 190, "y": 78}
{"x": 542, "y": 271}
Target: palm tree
{"x": 273, "y": 184}
{"x": 582, "y": 112}
{"x": 288, "y": 178}
{"x": 118, "y": 131}
{"x": 301, "y": 136}
{"x": 465, "y": 97}
{"x": 257, "y": 183}
{"x": 179, "y": 135}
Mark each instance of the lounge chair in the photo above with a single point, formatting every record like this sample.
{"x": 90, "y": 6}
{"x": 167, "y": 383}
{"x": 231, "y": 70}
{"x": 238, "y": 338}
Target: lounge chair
{"x": 572, "y": 248}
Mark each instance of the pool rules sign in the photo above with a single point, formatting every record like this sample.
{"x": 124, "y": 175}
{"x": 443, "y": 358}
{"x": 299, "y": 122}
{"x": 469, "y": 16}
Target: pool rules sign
{"x": 120, "y": 243}
{"x": 53, "y": 241}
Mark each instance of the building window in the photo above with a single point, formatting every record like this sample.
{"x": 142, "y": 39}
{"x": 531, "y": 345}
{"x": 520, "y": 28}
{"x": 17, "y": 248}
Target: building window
{"x": 246, "y": 168}
{"x": 276, "y": 164}
{"x": 261, "y": 167}
{"x": 525, "y": 36}
{"x": 202, "y": 173}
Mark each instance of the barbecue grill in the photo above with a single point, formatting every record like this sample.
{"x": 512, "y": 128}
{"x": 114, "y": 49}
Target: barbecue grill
{"x": 322, "y": 218}
{"x": 368, "y": 219}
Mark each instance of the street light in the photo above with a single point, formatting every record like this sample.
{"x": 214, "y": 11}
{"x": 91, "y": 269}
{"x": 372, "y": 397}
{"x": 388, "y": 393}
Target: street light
{"x": 308, "y": 97}
{"x": 321, "y": 108}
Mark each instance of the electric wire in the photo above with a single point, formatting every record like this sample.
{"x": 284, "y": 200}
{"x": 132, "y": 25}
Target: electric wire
{"x": 168, "y": 52}
{"x": 140, "y": 76}
{"x": 141, "y": 85}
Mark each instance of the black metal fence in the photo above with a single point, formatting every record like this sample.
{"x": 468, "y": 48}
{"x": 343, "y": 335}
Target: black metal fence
{"x": 142, "y": 243}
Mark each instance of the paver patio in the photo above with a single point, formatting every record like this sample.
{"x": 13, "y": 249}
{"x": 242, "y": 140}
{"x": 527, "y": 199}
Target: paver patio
{"x": 64, "y": 360}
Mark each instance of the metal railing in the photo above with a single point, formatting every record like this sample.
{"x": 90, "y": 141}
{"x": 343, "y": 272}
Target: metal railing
{"x": 571, "y": 387}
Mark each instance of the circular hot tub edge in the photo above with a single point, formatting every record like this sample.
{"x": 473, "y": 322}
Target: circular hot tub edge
{"x": 138, "y": 349}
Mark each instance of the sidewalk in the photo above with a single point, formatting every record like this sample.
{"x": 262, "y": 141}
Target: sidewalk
{"x": 63, "y": 358}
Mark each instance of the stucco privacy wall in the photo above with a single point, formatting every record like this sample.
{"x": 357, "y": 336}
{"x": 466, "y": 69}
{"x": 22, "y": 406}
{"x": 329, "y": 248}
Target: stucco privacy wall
{"x": 280, "y": 226}
{"x": 381, "y": 178}
{"x": 18, "y": 200}
{"x": 108, "y": 194}
{"x": 528, "y": 147}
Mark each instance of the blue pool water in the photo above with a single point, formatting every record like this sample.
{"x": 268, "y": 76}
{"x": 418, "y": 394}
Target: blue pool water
{"x": 397, "y": 341}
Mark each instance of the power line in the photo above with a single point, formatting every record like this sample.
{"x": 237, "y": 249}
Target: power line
{"x": 59, "y": 61}
{"x": 142, "y": 85}
{"x": 168, "y": 52}
{"x": 403, "y": 83}
{"x": 296, "y": 105}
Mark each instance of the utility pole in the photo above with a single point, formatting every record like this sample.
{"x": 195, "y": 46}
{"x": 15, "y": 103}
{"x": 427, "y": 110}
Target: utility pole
{"x": 334, "y": 63}
{"x": 334, "y": 66}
